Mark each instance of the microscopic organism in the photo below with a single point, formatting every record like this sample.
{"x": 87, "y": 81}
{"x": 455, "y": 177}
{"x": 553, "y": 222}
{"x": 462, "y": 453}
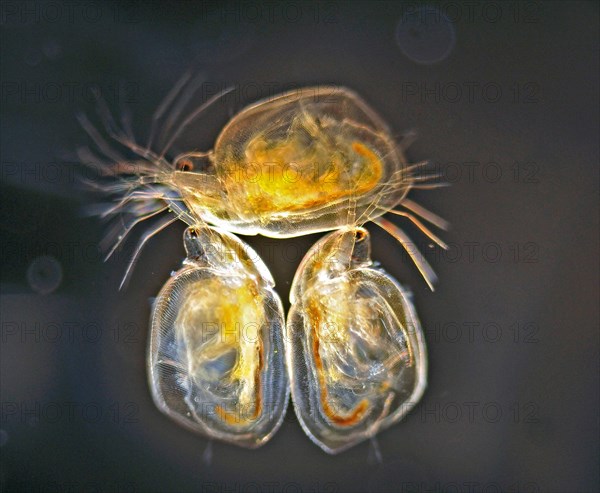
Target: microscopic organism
{"x": 222, "y": 357}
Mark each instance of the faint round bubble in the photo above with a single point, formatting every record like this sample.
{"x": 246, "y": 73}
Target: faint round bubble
{"x": 425, "y": 35}
{"x": 33, "y": 57}
{"x": 44, "y": 274}
{"x": 52, "y": 49}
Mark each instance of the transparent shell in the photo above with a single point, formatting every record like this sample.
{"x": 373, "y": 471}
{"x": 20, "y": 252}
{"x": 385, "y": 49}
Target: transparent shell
{"x": 216, "y": 356}
{"x": 356, "y": 353}
{"x": 309, "y": 160}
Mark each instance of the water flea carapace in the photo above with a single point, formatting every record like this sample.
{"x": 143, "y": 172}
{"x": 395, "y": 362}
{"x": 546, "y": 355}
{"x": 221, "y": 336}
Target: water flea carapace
{"x": 221, "y": 354}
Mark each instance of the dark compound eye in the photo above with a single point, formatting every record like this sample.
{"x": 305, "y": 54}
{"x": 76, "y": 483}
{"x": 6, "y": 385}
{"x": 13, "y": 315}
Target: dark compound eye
{"x": 185, "y": 165}
{"x": 360, "y": 234}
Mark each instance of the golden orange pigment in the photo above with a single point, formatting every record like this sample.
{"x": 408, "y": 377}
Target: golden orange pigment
{"x": 357, "y": 356}
{"x": 223, "y": 360}
{"x": 297, "y": 164}
{"x": 282, "y": 177}
{"x": 236, "y": 314}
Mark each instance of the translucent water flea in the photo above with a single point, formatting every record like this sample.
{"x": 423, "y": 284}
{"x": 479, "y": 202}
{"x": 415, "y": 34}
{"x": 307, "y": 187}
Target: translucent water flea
{"x": 222, "y": 359}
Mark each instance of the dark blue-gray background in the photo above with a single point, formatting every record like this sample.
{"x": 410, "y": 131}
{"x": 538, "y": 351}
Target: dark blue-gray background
{"x": 504, "y": 96}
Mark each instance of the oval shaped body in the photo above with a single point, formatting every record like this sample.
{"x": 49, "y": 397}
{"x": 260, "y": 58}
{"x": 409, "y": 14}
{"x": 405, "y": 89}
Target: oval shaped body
{"x": 216, "y": 357}
{"x": 356, "y": 355}
{"x": 308, "y": 160}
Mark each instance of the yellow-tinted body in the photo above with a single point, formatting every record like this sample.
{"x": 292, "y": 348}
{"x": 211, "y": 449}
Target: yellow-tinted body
{"x": 235, "y": 313}
{"x": 306, "y": 161}
{"x": 281, "y": 177}
{"x": 216, "y": 360}
{"x": 356, "y": 358}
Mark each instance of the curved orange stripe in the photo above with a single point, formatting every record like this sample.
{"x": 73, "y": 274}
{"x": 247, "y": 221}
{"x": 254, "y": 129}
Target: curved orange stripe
{"x": 359, "y": 410}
